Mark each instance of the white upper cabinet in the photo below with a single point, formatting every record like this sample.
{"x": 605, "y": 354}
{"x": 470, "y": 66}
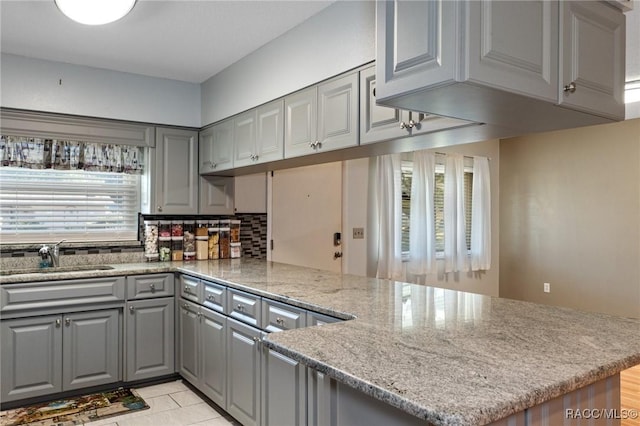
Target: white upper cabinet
{"x": 322, "y": 118}
{"x": 503, "y": 62}
{"x": 216, "y": 147}
{"x": 379, "y": 123}
{"x": 258, "y": 135}
{"x": 593, "y": 58}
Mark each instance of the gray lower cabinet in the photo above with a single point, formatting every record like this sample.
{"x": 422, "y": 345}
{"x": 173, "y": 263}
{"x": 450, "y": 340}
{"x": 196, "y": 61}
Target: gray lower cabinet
{"x": 243, "y": 372}
{"x": 53, "y": 353}
{"x": 31, "y": 357}
{"x": 189, "y": 340}
{"x": 284, "y": 397}
{"x": 150, "y": 338}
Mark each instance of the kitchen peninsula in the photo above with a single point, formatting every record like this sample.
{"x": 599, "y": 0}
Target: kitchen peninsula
{"x": 447, "y": 357}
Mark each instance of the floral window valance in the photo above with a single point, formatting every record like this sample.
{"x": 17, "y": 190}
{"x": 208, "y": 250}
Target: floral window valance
{"x": 36, "y": 153}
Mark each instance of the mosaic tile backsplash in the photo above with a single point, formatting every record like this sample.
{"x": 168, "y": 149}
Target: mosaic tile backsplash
{"x": 253, "y": 236}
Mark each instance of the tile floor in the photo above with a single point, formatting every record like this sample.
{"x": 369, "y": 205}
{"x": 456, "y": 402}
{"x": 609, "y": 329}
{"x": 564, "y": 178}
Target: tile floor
{"x": 170, "y": 404}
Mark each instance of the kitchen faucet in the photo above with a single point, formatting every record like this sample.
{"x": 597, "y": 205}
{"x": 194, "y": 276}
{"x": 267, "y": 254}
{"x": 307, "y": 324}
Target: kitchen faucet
{"x": 53, "y": 255}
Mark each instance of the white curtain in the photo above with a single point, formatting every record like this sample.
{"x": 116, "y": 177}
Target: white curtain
{"x": 386, "y": 210}
{"x": 422, "y": 251}
{"x": 481, "y": 216}
{"x": 455, "y": 239}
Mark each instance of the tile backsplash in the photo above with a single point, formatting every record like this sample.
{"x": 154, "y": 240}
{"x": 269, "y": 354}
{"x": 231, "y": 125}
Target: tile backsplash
{"x": 253, "y": 236}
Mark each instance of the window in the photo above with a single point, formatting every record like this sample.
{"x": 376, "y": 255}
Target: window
{"x": 438, "y": 202}
{"x": 39, "y": 205}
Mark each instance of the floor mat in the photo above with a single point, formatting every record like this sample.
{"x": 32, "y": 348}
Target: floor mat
{"x": 75, "y": 411}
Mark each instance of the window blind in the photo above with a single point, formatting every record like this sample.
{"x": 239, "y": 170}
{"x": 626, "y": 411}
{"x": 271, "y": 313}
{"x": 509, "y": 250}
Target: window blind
{"x": 43, "y": 205}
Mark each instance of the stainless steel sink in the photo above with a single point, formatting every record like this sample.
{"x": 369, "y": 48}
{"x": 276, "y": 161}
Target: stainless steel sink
{"x": 57, "y": 269}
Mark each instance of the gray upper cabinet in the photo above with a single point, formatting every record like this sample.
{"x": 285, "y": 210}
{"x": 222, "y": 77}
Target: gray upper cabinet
{"x": 379, "y": 123}
{"x": 216, "y": 147}
{"x": 176, "y": 172}
{"x": 258, "y": 136}
{"x": 505, "y": 69}
{"x": 593, "y": 58}
{"x": 322, "y": 118}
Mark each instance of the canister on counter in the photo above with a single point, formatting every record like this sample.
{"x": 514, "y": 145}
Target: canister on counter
{"x": 176, "y": 228}
{"x": 236, "y": 250}
{"x": 224, "y": 243}
{"x": 176, "y": 248}
{"x": 214, "y": 243}
{"x": 202, "y": 248}
{"x": 164, "y": 229}
{"x": 202, "y": 228}
{"x": 164, "y": 249}
{"x": 189, "y": 240}
{"x": 151, "y": 240}
{"x": 234, "y": 234}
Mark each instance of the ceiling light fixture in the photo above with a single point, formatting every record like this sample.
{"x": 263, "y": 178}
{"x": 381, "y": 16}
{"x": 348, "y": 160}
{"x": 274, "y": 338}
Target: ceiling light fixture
{"x": 95, "y": 12}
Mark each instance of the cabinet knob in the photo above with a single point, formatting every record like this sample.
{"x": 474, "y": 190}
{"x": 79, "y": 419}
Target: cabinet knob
{"x": 131, "y": 309}
{"x": 187, "y": 289}
{"x": 58, "y": 323}
{"x": 240, "y": 308}
{"x": 67, "y": 322}
{"x": 214, "y": 165}
{"x": 185, "y": 306}
{"x": 279, "y": 321}
{"x": 255, "y": 157}
{"x": 152, "y": 287}
{"x": 159, "y": 208}
{"x": 411, "y": 124}
{"x": 211, "y": 297}
{"x": 570, "y": 88}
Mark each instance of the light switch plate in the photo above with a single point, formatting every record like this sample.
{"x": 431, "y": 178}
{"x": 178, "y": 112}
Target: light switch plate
{"x": 358, "y": 233}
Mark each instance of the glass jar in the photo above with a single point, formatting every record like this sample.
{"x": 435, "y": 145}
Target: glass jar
{"x": 164, "y": 229}
{"x": 189, "y": 246}
{"x": 150, "y": 240}
{"x": 165, "y": 249}
{"x": 214, "y": 243}
{"x": 235, "y": 231}
{"x": 235, "y": 250}
{"x": 176, "y": 249}
{"x": 202, "y": 228}
{"x": 224, "y": 243}
{"x": 176, "y": 228}
{"x": 202, "y": 248}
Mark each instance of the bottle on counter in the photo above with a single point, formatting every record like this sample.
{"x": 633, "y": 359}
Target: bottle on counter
{"x": 189, "y": 247}
{"x": 151, "y": 240}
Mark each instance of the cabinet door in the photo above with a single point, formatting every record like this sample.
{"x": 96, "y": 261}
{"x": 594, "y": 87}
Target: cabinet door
{"x": 189, "y": 341}
{"x": 592, "y": 58}
{"x": 415, "y": 46}
{"x": 243, "y": 372}
{"x": 284, "y": 392}
{"x": 149, "y": 338}
{"x": 338, "y": 118}
{"x": 270, "y": 132}
{"x": 378, "y": 123}
{"x": 244, "y": 139}
{"x": 217, "y": 195}
{"x": 176, "y": 181}
{"x": 216, "y": 149}
{"x": 91, "y": 352}
{"x": 514, "y": 46}
{"x": 301, "y": 123}
{"x": 31, "y": 357}
{"x": 213, "y": 377}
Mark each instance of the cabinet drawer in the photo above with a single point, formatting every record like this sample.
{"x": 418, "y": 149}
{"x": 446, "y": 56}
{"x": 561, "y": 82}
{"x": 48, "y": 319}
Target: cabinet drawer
{"x": 51, "y": 294}
{"x": 149, "y": 286}
{"x": 214, "y": 296}
{"x": 191, "y": 288}
{"x": 279, "y": 317}
{"x": 315, "y": 318}
{"x": 244, "y": 307}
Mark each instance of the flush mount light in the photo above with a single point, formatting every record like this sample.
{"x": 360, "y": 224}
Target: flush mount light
{"x": 95, "y": 12}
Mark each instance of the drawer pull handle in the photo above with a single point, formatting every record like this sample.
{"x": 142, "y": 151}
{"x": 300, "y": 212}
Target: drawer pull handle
{"x": 152, "y": 287}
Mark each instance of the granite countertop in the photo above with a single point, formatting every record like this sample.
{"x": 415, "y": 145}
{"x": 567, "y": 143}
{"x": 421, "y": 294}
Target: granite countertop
{"x": 449, "y": 357}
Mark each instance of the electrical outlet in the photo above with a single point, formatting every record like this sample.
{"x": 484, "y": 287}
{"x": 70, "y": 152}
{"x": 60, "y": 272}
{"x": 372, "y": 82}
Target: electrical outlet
{"x": 547, "y": 287}
{"x": 358, "y": 233}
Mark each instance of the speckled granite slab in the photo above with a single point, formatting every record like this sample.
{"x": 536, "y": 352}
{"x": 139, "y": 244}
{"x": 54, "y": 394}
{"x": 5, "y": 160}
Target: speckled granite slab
{"x": 449, "y": 357}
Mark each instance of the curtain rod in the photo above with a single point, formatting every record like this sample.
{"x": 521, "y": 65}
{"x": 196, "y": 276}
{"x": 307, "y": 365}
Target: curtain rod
{"x": 465, "y": 156}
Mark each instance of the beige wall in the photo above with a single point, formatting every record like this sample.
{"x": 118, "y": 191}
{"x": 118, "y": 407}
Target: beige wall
{"x": 570, "y": 216}
{"x": 355, "y": 188}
